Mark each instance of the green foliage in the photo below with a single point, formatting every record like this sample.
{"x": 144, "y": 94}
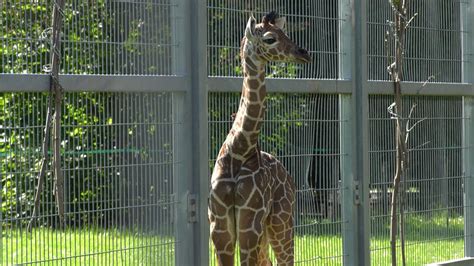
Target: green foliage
{"x": 103, "y": 153}
{"x": 99, "y": 37}
{"x": 19, "y": 152}
{"x": 27, "y": 51}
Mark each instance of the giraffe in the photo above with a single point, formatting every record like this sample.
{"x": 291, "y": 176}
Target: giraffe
{"x": 252, "y": 195}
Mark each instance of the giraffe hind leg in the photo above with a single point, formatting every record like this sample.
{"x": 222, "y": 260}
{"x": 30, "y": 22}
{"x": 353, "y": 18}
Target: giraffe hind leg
{"x": 222, "y": 228}
{"x": 252, "y": 240}
{"x": 263, "y": 256}
{"x": 280, "y": 234}
{"x": 223, "y": 239}
{"x": 280, "y": 228}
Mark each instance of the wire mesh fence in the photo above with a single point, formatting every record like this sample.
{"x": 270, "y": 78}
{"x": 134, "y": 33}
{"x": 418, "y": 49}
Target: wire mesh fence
{"x": 305, "y": 139}
{"x": 432, "y": 190}
{"x": 122, "y": 150}
{"x": 311, "y": 24}
{"x": 119, "y": 193}
{"x": 433, "y": 41}
{"x": 99, "y": 37}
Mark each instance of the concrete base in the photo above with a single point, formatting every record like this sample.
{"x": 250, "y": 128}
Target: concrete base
{"x": 457, "y": 262}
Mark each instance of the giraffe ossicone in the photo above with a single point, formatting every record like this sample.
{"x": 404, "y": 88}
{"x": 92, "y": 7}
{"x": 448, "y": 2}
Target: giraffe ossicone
{"x": 252, "y": 195}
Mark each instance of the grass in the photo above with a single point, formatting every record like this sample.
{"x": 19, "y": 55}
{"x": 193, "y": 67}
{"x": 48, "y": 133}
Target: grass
{"x": 85, "y": 247}
{"x": 429, "y": 239}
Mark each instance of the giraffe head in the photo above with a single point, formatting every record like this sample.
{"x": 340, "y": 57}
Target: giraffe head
{"x": 266, "y": 41}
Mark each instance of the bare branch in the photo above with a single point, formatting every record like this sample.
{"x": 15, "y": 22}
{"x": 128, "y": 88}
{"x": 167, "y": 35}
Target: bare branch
{"x": 393, "y": 114}
{"x": 430, "y": 78}
{"x": 396, "y": 10}
{"x": 411, "y": 19}
{"x": 409, "y": 129}
{"x": 419, "y": 146}
{"x": 412, "y": 109}
{"x": 386, "y": 41}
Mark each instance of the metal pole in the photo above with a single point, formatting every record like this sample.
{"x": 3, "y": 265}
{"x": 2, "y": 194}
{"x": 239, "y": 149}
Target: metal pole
{"x": 357, "y": 211}
{"x": 196, "y": 102}
{"x": 182, "y": 18}
{"x": 349, "y": 201}
{"x": 184, "y": 234}
{"x": 467, "y": 26}
{"x": 345, "y": 40}
{"x": 178, "y": 37}
{"x": 468, "y": 170}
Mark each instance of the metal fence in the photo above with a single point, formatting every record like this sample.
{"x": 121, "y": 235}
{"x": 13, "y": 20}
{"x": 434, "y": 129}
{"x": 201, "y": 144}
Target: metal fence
{"x": 150, "y": 89}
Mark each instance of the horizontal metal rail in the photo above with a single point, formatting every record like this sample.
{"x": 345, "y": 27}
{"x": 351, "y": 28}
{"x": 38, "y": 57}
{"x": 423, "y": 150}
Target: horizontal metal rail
{"x": 138, "y": 83}
{"x": 234, "y": 84}
{"x": 94, "y": 83}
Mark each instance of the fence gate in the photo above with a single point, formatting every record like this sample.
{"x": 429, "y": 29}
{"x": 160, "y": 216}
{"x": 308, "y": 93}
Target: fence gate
{"x": 150, "y": 86}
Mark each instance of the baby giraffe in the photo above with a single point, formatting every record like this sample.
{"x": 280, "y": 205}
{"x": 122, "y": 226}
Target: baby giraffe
{"x": 252, "y": 195}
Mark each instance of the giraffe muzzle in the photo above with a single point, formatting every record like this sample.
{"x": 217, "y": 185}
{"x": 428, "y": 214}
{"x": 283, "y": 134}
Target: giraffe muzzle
{"x": 302, "y": 56}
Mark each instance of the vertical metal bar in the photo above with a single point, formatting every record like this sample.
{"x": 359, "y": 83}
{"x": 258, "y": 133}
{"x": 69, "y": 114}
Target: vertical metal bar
{"x": 359, "y": 117}
{"x": 468, "y": 173}
{"x": 347, "y": 185}
{"x": 353, "y": 133}
{"x": 177, "y": 37}
{"x": 345, "y": 39}
{"x": 467, "y": 42}
{"x": 198, "y": 101}
{"x": 193, "y": 235}
{"x": 182, "y": 170}
{"x": 181, "y": 183}
{"x": 467, "y": 28}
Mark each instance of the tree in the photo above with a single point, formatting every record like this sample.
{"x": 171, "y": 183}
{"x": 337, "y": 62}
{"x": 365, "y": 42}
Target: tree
{"x": 396, "y": 37}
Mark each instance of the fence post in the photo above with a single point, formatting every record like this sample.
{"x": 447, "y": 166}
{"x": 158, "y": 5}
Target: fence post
{"x": 178, "y": 24}
{"x": 468, "y": 172}
{"x": 345, "y": 129}
{"x": 197, "y": 66}
{"x": 182, "y": 173}
{"x": 347, "y": 183}
{"x": 354, "y": 133}
{"x": 182, "y": 181}
{"x": 467, "y": 26}
{"x": 191, "y": 170}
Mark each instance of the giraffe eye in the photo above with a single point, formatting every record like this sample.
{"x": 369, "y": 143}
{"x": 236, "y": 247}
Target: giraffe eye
{"x": 269, "y": 41}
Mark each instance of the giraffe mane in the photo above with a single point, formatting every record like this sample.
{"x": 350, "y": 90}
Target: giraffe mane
{"x": 270, "y": 17}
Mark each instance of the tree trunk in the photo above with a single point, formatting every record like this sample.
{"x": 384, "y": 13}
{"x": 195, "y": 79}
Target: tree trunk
{"x": 58, "y": 94}
{"x": 56, "y": 90}
{"x": 400, "y": 13}
{"x": 44, "y": 163}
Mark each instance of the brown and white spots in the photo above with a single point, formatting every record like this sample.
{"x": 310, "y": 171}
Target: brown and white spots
{"x": 252, "y": 195}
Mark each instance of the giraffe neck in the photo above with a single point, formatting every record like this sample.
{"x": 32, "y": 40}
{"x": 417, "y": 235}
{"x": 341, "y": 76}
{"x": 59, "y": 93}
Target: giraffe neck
{"x": 246, "y": 127}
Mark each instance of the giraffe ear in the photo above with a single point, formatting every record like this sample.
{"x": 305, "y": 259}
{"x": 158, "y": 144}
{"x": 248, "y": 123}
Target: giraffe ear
{"x": 250, "y": 28}
{"x": 280, "y": 22}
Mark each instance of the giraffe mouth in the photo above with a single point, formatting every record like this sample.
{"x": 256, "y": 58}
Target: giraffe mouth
{"x": 302, "y": 56}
